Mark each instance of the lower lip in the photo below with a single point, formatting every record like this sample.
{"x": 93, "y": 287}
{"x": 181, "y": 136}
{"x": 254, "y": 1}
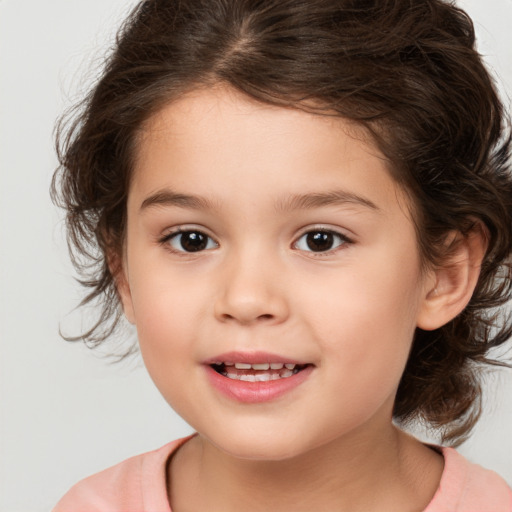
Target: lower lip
{"x": 256, "y": 392}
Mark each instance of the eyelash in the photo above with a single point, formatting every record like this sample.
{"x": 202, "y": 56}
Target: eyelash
{"x": 342, "y": 239}
{"x": 165, "y": 241}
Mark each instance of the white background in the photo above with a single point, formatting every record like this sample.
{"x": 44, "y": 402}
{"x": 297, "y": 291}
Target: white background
{"x": 64, "y": 412}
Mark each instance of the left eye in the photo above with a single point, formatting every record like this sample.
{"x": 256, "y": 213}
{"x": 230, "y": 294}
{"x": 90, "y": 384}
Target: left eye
{"x": 320, "y": 241}
{"x": 190, "y": 241}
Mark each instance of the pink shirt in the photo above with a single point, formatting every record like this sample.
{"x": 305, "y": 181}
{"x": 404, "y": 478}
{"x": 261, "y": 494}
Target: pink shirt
{"x": 139, "y": 485}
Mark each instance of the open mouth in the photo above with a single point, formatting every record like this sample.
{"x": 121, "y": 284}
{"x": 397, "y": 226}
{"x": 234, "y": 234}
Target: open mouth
{"x": 259, "y": 372}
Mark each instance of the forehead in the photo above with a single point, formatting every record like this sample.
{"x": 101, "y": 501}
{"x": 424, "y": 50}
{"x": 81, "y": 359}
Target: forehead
{"x": 217, "y": 116}
{"x": 220, "y": 135}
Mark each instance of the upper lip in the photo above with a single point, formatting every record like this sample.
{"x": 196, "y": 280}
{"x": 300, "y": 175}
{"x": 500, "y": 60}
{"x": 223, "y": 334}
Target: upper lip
{"x": 252, "y": 358}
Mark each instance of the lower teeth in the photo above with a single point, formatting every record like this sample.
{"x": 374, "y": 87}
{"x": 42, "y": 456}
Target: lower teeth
{"x": 260, "y": 377}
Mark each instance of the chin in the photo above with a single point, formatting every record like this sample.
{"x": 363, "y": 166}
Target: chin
{"x": 257, "y": 447}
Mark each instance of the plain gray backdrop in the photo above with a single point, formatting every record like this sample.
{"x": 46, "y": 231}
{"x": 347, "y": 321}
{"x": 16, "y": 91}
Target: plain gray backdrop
{"x": 64, "y": 412}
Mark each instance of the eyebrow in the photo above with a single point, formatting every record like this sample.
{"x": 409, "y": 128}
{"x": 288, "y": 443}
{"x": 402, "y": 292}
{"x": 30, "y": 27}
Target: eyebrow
{"x": 168, "y": 197}
{"x": 319, "y": 199}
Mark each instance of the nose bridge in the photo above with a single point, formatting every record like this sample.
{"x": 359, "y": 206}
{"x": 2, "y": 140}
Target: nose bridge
{"x": 250, "y": 287}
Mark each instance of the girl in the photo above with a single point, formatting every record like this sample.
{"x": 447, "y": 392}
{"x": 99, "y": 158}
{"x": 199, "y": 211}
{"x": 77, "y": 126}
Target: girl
{"x": 305, "y": 210}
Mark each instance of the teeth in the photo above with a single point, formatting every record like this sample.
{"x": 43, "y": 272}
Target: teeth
{"x": 260, "y": 377}
{"x": 259, "y": 366}
{"x": 262, "y": 366}
{"x": 278, "y": 371}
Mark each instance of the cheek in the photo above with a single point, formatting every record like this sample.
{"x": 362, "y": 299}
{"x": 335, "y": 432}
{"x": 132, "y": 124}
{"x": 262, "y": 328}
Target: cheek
{"x": 167, "y": 312}
{"x": 374, "y": 302}
{"x": 166, "y": 330}
{"x": 365, "y": 322}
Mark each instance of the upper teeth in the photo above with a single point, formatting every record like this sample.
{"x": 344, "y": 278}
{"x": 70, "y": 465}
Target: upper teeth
{"x": 261, "y": 366}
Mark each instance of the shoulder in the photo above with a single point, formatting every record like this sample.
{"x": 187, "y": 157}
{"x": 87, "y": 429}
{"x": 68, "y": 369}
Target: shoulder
{"x": 135, "y": 485}
{"x": 467, "y": 487}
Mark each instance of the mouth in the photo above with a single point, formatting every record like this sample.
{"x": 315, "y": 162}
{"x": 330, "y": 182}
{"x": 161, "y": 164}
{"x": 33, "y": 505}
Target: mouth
{"x": 257, "y": 372}
{"x": 256, "y": 377}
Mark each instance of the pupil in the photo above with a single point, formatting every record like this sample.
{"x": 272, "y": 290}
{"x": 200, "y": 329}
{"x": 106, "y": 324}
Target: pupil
{"x": 193, "y": 241}
{"x": 319, "y": 241}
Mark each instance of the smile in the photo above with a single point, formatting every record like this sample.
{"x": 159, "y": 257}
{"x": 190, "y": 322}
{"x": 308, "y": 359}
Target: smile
{"x": 256, "y": 377}
{"x": 257, "y": 372}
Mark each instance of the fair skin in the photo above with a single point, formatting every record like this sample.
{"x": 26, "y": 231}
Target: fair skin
{"x": 245, "y": 276}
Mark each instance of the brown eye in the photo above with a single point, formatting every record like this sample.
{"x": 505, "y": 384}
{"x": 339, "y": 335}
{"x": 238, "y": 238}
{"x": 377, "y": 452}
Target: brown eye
{"x": 190, "y": 241}
{"x": 320, "y": 241}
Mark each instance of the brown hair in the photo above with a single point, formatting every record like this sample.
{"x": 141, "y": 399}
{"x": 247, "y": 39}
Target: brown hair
{"x": 406, "y": 70}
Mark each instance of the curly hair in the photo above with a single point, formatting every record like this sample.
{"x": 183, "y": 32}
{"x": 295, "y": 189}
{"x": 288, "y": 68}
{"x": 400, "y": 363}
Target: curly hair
{"x": 407, "y": 71}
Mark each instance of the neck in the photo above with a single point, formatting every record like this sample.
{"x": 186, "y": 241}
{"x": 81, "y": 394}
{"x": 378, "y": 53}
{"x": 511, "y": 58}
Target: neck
{"x": 336, "y": 476}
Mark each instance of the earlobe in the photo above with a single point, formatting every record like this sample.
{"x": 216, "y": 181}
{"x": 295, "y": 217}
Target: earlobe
{"x": 122, "y": 286}
{"x": 123, "y": 289}
{"x": 454, "y": 282}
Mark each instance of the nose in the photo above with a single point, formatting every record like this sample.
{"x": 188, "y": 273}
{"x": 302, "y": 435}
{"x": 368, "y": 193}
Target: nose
{"x": 251, "y": 292}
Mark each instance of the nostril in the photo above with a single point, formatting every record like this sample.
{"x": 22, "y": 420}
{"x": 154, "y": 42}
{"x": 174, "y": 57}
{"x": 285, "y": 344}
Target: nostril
{"x": 248, "y": 309}
{"x": 264, "y": 317}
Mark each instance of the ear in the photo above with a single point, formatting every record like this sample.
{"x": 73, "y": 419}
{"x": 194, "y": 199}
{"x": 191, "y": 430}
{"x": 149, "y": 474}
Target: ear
{"x": 451, "y": 285}
{"x": 117, "y": 269}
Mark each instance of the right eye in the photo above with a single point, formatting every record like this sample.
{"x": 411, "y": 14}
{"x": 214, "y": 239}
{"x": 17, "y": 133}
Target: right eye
{"x": 189, "y": 241}
{"x": 321, "y": 241}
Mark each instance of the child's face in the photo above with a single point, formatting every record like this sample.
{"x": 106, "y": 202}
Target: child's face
{"x": 298, "y": 248}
